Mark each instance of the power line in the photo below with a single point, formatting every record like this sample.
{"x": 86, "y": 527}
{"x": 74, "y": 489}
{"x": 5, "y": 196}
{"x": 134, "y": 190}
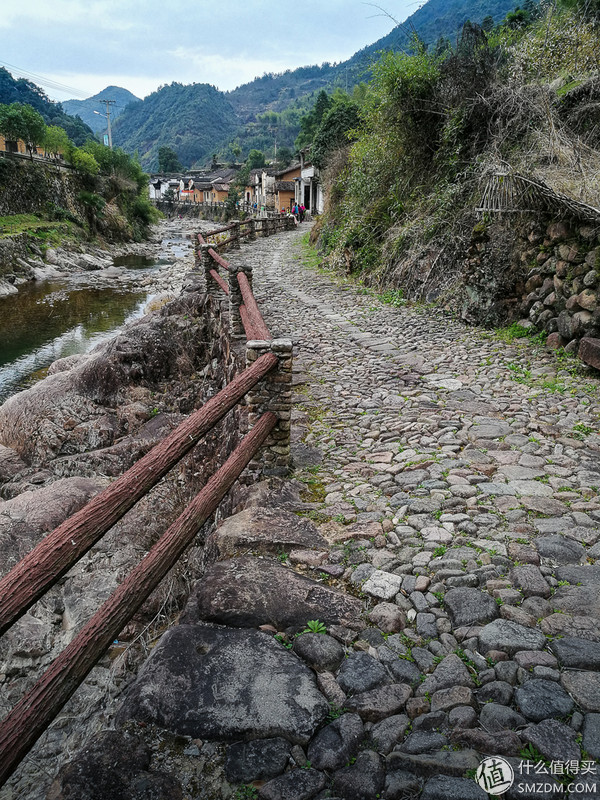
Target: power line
{"x": 42, "y": 80}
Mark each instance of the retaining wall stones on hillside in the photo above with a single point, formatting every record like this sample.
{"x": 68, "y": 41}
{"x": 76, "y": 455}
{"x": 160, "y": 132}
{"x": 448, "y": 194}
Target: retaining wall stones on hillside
{"x": 14, "y": 268}
{"x": 27, "y": 187}
{"x": 554, "y": 274}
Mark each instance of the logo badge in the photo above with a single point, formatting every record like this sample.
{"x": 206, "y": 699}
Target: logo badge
{"x": 495, "y": 775}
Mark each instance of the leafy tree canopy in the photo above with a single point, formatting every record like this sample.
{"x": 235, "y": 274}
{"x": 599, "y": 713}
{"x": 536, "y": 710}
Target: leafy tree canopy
{"x": 20, "y": 90}
{"x": 168, "y": 160}
{"x": 256, "y": 159}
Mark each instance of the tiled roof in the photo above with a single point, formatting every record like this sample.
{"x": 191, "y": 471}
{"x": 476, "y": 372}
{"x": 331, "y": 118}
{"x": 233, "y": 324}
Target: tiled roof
{"x": 291, "y": 168}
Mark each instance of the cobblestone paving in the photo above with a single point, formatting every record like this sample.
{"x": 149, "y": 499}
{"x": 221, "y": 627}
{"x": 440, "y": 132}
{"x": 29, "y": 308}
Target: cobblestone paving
{"x": 457, "y": 477}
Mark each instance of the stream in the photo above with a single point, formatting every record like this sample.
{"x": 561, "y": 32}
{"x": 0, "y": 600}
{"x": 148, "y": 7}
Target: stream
{"x": 59, "y": 317}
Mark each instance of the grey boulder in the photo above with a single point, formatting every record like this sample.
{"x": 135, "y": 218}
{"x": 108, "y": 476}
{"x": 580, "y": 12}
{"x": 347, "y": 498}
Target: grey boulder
{"x": 212, "y": 683}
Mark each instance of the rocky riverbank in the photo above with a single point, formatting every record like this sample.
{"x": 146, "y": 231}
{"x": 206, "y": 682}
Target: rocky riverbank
{"x": 169, "y": 244}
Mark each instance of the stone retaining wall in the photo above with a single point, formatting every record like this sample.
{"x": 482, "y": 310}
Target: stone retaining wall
{"x": 562, "y": 284}
{"x": 544, "y": 273}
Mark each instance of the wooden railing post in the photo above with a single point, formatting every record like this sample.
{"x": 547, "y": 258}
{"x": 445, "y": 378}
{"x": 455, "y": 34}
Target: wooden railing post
{"x": 273, "y": 393}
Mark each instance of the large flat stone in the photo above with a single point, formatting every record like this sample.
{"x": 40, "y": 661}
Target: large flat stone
{"x": 502, "y": 634}
{"x": 380, "y": 703}
{"x": 554, "y": 740}
{"x": 579, "y": 574}
{"x": 541, "y": 699}
{"x": 113, "y": 766}
{"x": 578, "y": 600}
{"x": 559, "y": 549}
{"x": 383, "y": 585}
{"x": 576, "y": 653}
{"x": 264, "y": 530}
{"x": 469, "y": 606}
{"x": 584, "y": 688}
{"x": 212, "y": 683}
{"x": 589, "y": 351}
{"x": 247, "y": 592}
{"x": 444, "y": 762}
{"x": 530, "y": 580}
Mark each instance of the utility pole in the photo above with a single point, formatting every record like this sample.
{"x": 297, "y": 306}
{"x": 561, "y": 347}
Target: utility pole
{"x": 109, "y": 103}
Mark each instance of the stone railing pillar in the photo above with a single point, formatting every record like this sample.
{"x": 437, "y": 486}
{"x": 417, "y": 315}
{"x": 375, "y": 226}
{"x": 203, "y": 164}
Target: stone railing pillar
{"x": 212, "y": 287}
{"x": 252, "y": 234}
{"x": 235, "y": 236}
{"x": 273, "y": 393}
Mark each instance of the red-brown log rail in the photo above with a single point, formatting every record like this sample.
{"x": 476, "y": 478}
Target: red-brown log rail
{"x": 34, "y": 712}
{"x": 219, "y": 259}
{"x": 258, "y": 329}
{"x": 219, "y": 280}
{"x": 57, "y": 552}
{"x": 221, "y": 230}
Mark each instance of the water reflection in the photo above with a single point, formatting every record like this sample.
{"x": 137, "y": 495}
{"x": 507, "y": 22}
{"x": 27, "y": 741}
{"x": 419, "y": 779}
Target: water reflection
{"x": 52, "y": 319}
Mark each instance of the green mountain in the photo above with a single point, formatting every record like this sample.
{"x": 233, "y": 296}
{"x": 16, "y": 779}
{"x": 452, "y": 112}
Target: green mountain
{"x": 191, "y": 119}
{"x": 199, "y": 120}
{"x": 434, "y": 19}
{"x": 20, "y": 90}
{"x": 85, "y": 108}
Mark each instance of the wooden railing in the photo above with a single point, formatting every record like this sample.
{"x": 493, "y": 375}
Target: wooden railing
{"x": 51, "y": 559}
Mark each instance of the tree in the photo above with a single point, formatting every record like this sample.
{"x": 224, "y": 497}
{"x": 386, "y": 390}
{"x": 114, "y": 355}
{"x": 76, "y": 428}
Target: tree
{"x": 35, "y": 128}
{"x": 56, "y": 141}
{"x": 168, "y": 160}
{"x": 333, "y": 132}
{"x": 311, "y": 121}
{"x": 285, "y": 156}
{"x": 12, "y": 124}
{"x": 84, "y": 162}
{"x": 488, "y": 23}
{"x": 256, "y": 159}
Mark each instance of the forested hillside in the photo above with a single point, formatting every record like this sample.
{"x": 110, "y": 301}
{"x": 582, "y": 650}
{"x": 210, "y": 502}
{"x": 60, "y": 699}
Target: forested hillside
{"x": 446, "y": 135}
{"x": 20, "y": 90}
{"x": 193, "y": 120}
{"x": 197, "y": 123}
{"x": 85, "y": 108}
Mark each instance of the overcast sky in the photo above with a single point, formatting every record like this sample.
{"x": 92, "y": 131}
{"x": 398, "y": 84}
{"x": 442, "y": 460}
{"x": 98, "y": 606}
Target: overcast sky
{"x": 90, "y": 44}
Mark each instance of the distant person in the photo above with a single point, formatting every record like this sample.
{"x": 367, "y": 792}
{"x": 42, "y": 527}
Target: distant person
{"x": 302, "y": 211}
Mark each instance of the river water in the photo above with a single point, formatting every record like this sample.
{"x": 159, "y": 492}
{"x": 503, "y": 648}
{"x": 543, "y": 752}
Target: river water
{"x": 51, "y": 319}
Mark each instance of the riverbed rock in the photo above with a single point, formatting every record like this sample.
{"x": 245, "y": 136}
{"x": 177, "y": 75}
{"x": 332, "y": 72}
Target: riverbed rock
{"x": 263, "y": 530}
{"x": 11, "y": 464}
{"x": 115, "y": 766}
{"x": 26, "y": 518}
{"x": 247, "y": 592}
{"x": 214, "y": 683}
{"x": 73, "y": 410}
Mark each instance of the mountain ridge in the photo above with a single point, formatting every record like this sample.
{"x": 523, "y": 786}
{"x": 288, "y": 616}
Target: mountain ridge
{"x": 85, "y": 109}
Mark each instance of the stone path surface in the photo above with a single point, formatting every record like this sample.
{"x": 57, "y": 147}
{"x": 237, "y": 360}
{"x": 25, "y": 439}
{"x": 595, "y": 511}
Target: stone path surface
{"x": 457, "y": 478}
{"x": 442, "y": 527}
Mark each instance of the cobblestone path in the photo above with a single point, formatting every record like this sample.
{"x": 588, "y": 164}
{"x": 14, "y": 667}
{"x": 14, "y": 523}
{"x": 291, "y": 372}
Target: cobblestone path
{"x": 457, "y": 477}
